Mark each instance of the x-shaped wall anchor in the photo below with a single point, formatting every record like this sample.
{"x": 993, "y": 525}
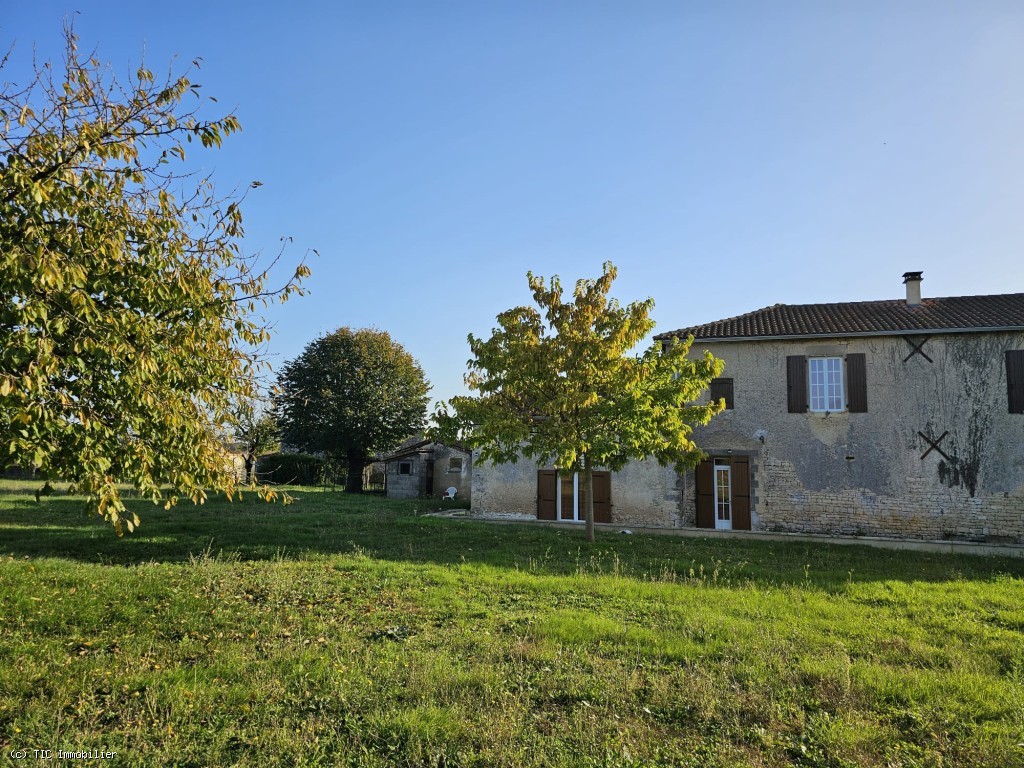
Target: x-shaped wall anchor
{"x": 935, "y": 445}
{"x": 917, "y": 349}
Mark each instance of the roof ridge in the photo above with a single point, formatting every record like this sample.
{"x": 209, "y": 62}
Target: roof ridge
{"x": 853, "y": 318}
{"x": 898, "y": 301}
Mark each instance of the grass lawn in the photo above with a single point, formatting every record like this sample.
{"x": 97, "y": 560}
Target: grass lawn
{"x": 351, "y": 631}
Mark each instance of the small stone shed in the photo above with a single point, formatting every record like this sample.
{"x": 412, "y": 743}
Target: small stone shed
{"x": 426, "y": 468}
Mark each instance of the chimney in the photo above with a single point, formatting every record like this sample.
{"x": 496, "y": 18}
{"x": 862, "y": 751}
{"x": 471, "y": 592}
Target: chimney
{"x": 913, "y": 282}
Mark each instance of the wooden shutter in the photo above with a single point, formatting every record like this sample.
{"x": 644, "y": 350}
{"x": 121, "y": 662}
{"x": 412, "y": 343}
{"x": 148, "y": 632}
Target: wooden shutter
{"x": 705, "y": 488}
{"x": 796, "y": 383}
{"x": 1015, "y": 380}
{"x": 602, "y": 497}
{"x": 857, "y": 383}
{"x": 722, "y": 389}
{"x": 547, "y": 487}
{"x": 567, "y": 488}
{"x": 740, "y": 493}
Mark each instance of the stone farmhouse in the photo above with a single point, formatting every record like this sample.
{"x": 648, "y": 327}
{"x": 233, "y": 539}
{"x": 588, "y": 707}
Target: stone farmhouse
{"x": 900, "y": 418}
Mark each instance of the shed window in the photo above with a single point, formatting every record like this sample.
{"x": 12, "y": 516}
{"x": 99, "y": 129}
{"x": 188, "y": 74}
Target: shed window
{"x": 405, "y": 467}
{"x": 455, "y": 464}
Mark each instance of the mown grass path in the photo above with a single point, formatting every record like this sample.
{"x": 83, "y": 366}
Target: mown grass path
{"x": 350, "y": 631}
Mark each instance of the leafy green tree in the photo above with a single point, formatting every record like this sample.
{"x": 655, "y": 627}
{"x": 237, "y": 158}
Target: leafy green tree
{"x": 351, "y": 394}
{"x": 126, "y": 306}
{"x": 256, "y": 432}
{"x": 561, "y": 387}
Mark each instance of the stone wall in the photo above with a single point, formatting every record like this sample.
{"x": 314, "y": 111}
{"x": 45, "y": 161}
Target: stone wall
{"x": 926, "y": 511}
{"x": 410, "y": 486}
{"x": 863, "y": 473}
{"x": 504, "y": 488}
{"x": 646, "y": 494}
{"x": 461, "y": 479}
{"x": 643, "y": 493}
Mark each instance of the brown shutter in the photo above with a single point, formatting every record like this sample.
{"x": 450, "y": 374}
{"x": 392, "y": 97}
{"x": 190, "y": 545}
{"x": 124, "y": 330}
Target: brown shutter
{"x": 740, "y": 493}
{"x": 796, "y": 383}
{"x": 857, "y": 383}
{"x": 602, "y": 497}
{"x": 547, "y": 487}
{"x": 721, "y": 389}
{"x": 567, "y": 489}
{"x": 705, "y": 488}
{"x": 1015, "y": 380}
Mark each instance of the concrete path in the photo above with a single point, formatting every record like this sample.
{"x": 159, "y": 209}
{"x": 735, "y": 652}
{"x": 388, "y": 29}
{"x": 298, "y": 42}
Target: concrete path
{"x": 951, "y": 547}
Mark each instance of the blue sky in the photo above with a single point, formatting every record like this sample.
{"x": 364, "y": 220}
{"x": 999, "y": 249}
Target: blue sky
{"x": 724, "y": 155}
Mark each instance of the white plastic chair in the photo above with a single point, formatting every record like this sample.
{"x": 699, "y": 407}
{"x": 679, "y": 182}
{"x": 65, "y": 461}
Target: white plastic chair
{"x": 450, "y": 493}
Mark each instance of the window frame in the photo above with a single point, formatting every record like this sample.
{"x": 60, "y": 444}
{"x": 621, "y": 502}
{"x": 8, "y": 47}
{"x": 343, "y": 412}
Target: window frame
{"x": 827, "y": 383}
{"x": 723, "y": 503}
{"x": 1014, "y": 380}
{"x": 723, "y": 383}
{"x": 407, "y": 464}
{"x": 453, "y": 471}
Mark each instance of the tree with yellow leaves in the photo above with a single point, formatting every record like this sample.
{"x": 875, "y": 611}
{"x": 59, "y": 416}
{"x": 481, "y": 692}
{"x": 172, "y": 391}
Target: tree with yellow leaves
{"x": 558, "y": 385}
{"x": 127, "y": 310}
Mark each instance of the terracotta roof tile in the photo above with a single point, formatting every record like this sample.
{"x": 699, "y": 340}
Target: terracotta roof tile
{"x": 893, "y": 316}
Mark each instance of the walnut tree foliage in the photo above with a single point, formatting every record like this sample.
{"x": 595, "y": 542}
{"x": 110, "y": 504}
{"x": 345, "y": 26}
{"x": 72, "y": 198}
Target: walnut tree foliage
{"x": 349, "y": 395}
{"x": 558, "y": 385}
{"x": 127, "y": 310}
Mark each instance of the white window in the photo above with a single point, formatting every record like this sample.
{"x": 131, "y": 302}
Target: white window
{"x": 826, "y": 374}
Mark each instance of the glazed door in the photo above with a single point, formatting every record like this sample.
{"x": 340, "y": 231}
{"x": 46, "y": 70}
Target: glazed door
{"x": 723, "y": 497}
{"x": 723, "y": 493}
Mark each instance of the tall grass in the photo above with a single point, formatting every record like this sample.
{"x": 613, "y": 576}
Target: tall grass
{"x": 356, "y": 631}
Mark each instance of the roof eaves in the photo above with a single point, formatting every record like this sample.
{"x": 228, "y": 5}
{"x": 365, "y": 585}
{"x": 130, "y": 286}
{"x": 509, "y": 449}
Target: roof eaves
{"x": 409, "y": 450}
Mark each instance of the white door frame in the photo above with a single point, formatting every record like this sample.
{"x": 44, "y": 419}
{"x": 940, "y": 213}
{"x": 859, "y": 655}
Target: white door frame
{"x": 576, "y": 518}
{"x": 720, "y": 524}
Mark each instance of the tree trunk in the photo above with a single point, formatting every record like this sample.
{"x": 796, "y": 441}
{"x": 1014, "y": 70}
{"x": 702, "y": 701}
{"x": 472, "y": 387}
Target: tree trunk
{"x": 354, "y": 478}
{"x": 250, "y": 460}
{"x": 587, "y": 496}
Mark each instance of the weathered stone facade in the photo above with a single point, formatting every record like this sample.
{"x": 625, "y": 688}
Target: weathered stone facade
{"x": 841, "y": 472}
{"x": 453, "y": 468}
{"x": 643, "y": 493}
{"x": 505, "y": 488}
{"x": 863, "y": 473}
{"x": 411, "y": 485}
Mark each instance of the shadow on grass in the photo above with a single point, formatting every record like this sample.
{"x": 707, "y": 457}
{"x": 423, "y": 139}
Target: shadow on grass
{"x": 323, "y": 524}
